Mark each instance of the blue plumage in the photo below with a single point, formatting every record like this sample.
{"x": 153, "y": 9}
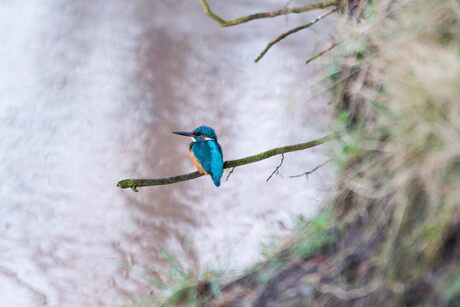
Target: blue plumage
{"x": 206, "y": 152}
{"x": 209, "y": 155}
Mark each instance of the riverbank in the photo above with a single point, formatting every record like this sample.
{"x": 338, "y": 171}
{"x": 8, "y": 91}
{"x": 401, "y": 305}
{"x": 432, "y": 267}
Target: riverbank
{"x": 391, "y": 235}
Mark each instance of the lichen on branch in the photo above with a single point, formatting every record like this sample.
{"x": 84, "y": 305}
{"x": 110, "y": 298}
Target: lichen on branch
{"x": 283, "y": 11}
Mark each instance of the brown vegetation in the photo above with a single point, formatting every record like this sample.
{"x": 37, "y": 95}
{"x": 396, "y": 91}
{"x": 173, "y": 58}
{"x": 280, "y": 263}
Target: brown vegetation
{"x": 397, "y": 213}
{"x": 391, "y": 236}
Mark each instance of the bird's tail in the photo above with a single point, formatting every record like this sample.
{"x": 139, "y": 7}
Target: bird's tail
{"x": 216, "y": 179}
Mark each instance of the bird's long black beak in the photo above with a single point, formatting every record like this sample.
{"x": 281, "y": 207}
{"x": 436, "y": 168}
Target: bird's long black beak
{"x": 183, "y": 133}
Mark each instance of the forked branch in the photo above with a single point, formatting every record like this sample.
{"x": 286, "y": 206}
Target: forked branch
{"x": 292, "y": 31}
{"x": 136, "y": 183}
{"x": 284, "y": 11}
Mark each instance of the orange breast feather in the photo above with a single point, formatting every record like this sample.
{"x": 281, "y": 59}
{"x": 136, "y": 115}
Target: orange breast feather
{"x": 196, "y": 162}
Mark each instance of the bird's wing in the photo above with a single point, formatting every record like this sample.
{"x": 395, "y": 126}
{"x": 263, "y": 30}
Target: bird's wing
{"x": 202, "y": 153}
{"x": 220, "y": 150}
{"x": 209, "y": 155}
{"x": 217, "y": 162}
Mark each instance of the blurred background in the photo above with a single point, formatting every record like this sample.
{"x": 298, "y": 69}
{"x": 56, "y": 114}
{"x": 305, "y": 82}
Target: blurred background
{"x": 89, "y": 93}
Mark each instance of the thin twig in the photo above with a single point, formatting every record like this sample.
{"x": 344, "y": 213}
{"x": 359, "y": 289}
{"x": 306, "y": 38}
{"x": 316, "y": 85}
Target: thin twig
{"x": 135, "y": 183}
{"x": 317, "y": 55}
{"x": 231, "y": 172}
{"x": 310, "y": 171}
{"x": 342, "y": 293}
{"x": 287, "y": 4}
{"x": 286, "y": 34}
{"x": 277, "y": 168}
{"x": 283, "y": 11}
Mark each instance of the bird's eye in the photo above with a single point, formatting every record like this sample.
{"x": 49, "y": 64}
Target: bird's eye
{"x": 196, "y": 134}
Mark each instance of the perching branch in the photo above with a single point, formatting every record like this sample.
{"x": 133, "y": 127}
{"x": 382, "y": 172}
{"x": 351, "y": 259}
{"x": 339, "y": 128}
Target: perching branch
{"x": 284, "y": 11}
{"x": 135, "y": 183}
{"x": 286, "y": 34}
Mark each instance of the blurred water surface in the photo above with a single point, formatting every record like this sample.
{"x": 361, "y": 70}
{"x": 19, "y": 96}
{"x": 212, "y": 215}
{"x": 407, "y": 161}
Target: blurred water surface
{"x": 89, "y": 92}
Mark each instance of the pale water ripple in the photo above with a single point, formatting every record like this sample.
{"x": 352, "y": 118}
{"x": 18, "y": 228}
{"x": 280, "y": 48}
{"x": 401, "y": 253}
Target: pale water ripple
{"x": 89, "y": 92}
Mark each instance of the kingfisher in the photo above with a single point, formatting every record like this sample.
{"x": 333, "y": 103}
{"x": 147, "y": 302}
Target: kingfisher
{"x": 205, "y": 152}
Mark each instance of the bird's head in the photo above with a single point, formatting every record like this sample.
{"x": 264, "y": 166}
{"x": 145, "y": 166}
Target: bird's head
{"x": 200, "y": 133}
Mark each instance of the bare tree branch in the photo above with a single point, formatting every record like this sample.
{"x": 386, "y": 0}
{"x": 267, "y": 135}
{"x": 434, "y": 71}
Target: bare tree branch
{"x": 135, "y": 183}
{"x": 317, "y": 55}
{"x": 277, "y": 168}
{"x": 341, "y": 293}
{"x": 311, "y": 171}
{"x": 284, "y": 11}
{"x": 286, "y": 34}
{"x": 229, "y": 173}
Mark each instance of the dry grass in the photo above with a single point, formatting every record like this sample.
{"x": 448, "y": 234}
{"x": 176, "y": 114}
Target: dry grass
{"x": 396, "y": 235}
{"x": 400, "y": 191}
{"x": 396, "y": 231}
